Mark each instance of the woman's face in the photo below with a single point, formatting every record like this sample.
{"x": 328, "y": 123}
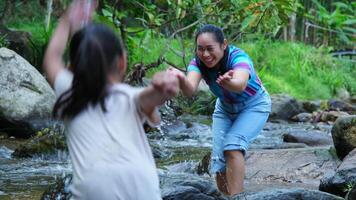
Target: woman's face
{"x": 209, "y": 51}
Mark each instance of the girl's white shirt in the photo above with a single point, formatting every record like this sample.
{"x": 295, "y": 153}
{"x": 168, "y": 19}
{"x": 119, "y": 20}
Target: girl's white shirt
{"x": 110, "y": 153}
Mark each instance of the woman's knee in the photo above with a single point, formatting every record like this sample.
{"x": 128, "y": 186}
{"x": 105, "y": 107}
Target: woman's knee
{"x": 234, "y": 154}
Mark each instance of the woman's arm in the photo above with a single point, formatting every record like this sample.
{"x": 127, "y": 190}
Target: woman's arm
{"x": 234, "y": 80}
{"x": 188, "y": 84}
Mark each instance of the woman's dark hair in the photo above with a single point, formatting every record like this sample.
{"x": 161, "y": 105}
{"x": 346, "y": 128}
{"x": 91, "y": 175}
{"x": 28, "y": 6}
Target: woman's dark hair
{"x": 219, "y": 37}
{"x": 93, "y": 54}
{"x": 216, "y": 31}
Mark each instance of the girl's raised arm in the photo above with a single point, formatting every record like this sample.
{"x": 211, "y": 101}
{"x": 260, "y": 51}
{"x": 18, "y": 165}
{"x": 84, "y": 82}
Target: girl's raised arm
{"x": 71, "y": 21}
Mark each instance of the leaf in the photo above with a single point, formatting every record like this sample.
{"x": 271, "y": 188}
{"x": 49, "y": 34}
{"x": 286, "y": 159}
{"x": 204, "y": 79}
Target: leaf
{"x": 106, "y": 12}
{"x": 247, "y": 21}
{"x": 349, "y": 22}
{"x": 350, "y": 29}
{"x": 150, "y": 16}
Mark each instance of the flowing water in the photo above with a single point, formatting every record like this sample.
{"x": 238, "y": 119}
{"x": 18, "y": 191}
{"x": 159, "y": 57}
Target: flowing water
{"x": 186, "y": 140}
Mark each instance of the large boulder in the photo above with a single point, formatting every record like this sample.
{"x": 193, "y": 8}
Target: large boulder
{"x": 285, "y": 107}
{"x": 25, "y": 98}
{"x": 344, "y": 135}
{"x": 343, "y": 178}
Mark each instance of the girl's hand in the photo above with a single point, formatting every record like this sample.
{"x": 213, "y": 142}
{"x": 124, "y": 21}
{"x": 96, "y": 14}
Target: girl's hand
{"x": 177, "y": 73}
{"x": 166, "y": 83}
{"x": 80, "y": 13}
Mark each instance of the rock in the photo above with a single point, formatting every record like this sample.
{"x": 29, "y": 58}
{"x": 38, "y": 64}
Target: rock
{"x": 182, "y": 167}
{"x": 311, "y": 138}
{"x": 343, "y": 94}
{"x": 284, "y": 107}
{"x": 25, "y": 95}
{"x": 311, "y": 106}
{"x": 46, "y": 143}
{"x": 327, "y": 116}
{"x": 18, "y": 41}
{"x": 341, "y": 106}
{"x": 289, "y": 167}
{"x": 344, "y": 135}
{"x": 287, "y": 194}
{"x": 302, "y": 117}
{"x": 159, "y": 151}
{"x": 332, "y": 115}
{"x": 188, "y": 187}
{"x": 344, "y": 175}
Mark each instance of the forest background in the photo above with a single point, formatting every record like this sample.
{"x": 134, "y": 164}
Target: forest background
{"x": 291, "y": 42}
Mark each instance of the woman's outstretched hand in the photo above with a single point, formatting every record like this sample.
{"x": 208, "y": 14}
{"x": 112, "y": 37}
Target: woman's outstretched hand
{"x": 224, "y": 79}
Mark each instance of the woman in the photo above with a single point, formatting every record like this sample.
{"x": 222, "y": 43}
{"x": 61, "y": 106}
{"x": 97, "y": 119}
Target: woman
{"x": 242, "y": 107}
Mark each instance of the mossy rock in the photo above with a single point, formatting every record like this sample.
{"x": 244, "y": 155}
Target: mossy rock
{"x": 46, "y": 142}
{"x": 344, "y": 135}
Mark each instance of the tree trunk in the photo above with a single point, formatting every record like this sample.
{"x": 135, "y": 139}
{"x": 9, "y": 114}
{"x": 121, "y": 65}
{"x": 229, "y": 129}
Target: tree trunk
{"x": 292, "y": 21}
{"x": 285, "y": 33}
{"x": 9, "y": 5}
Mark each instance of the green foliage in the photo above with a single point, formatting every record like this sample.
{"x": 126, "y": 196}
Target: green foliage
{"x": 302, "y": 71}
{"x": 202, "y": 103}
{"x": 3, "y": 41}
{"x": 33, "y": 23}
{"x": 340, "y": 20}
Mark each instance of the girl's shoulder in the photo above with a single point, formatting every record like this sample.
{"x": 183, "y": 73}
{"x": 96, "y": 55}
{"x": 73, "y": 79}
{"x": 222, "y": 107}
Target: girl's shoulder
{"x": 124, "y": 88}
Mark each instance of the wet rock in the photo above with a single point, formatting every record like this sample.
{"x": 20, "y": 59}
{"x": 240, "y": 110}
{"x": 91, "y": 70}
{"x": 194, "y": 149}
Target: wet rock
{"x": 344, "y": 175}
{"x": 284, "y": 107}
{"x": 311, "y": 106}
{"x": 328, "y": 116}
{"x": 289, "y": 167}
{"x": 344, "y": 135}
{"x": 182, "y": 167}
{"x": 311, "y": 138}
{"x": 341, "y": 106}
{"x": 25, "y": 95}
{"x": 159, "y": 152}
{"x": 46, "y": 142}
{"x": 188, "y": 187}
{"x": 302, "y": 117}
{"x": 287, "y": 194}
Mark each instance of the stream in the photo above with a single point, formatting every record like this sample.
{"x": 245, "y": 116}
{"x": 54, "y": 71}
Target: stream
{"x": 178, "y": 146}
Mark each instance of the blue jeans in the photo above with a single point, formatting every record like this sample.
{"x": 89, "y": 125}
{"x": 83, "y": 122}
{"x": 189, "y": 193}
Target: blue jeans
{"x": 235, "y": 125}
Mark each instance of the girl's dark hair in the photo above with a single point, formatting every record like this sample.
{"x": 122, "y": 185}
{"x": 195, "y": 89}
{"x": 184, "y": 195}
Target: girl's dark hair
{"x": 93, "y": 54}
{"x": 219, "y": 37}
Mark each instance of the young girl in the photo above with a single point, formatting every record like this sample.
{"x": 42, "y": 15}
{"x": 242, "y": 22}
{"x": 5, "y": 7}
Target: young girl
{"x": 242, "y": 106}
{"x": 109, "y": 150}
